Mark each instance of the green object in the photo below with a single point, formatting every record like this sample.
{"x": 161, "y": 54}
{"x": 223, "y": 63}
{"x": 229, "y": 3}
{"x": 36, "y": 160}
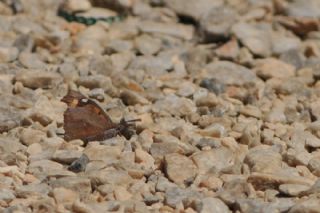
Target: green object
{"x": 72, "y": 17}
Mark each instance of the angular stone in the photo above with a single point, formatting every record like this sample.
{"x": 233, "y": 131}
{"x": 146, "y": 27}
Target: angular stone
{"x": 230, "y": 73}
{"x": 274, "y": 68}
{"x": 215, "y": 159}
{"x": 38, "y": 79}
{"x": 173, "y": 164}
{"x": 255, "y": 38}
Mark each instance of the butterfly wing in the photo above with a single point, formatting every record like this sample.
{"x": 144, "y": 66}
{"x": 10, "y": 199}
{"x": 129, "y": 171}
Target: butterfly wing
{"x": 85, "y": 119}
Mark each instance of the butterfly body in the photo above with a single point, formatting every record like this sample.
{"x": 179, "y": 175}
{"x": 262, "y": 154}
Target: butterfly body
{"x": 84, "y": 119}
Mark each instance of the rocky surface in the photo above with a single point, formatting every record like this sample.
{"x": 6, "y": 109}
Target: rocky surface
{"x": 227, "y": 93}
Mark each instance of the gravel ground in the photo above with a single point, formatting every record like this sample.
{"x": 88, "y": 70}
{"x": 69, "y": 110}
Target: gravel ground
{"x": 227, "y": 92}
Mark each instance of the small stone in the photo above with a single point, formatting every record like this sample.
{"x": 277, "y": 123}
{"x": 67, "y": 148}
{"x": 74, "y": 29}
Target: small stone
{"x": 270, "y": 162}
{"x": 66, "y": 156}
{"x": 8, "y": 54}
{"x": 298, "y": 157}
{"x": 33, "y": 190}
{"x": 173, "y": 163}
{"x": 212, "y": 85}
{"x": 214, "y": 159}
{"x": 79, "y": 165}
{"x": 256, "y": 38}
{"x": 144, "y": 158}
{"x": 229, "y": 73}
{"x": 176, "y": 196}
{"x": 46, "y": 110}
{"x": 31, "y": 61}
{"x": 309, "y": 205}
{"x": 76, "y": 5}
{"x": 194, "y": 9}
{"x": 147, "y": 45}
{"x": 314, "y": 165}
{"x": 80, "y": 185}
{"x": 273, "y": 68}
{"x": 292, "y": 189}
{"x": 262, "y": 180}
{"x": 158, "y": 150}
{"x": 214, "y": 130}
{"x": 211, "y": 182}
{"x": 107, "y": 154}
{"x": 216, "y": 24}
{"x": 64, "y": 196}
{"x": 211, "y": 204}
{"x": 110, "y": 176}
{"x": 229, "y": 50}
{"x": 6, "y": 195}
{"x": 30, "y": 136}
{"x": 38, "y": 79}
{"x": 174, "y": 105}
{"x": 133, "y": 98}
{"x": 121, "y": 193}
{"x": 252, "y": 111}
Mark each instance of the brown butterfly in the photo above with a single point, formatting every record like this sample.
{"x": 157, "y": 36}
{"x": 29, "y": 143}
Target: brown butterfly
{"x": 84, "y": 119}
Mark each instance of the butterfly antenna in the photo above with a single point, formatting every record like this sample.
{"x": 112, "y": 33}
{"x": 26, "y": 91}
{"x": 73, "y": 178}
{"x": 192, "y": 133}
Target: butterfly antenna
{"x": 129, "y": 122}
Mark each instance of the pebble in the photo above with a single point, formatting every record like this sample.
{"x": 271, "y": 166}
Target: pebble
{"x": 215, "y": 159}
{"x": 257, "y": 38}
{"x": 79, "y": 165}
{"x": 38, "y": 79}
{"x": 8, "y": 54}
{"x": 213, "y": 205}
{"x": 173, "y": 163}
{"x": 273, "y": 68}
{"x": 229, "y": 73}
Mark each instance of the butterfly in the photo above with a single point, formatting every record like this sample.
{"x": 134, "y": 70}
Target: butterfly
{"x": 84, "y": 119}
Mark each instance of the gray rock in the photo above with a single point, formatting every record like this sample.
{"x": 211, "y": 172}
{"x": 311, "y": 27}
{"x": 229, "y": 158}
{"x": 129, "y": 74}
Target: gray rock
{"x": 299, "y": 9}
{"x": 31, "y": 61}
{"x": 174, "y": 105}
{"x": 38, "y": 79}
{"x": 26, "y": 191}
{"x": 292, "y": 189}
{"x": 80, "y": 185}
{"x": 177, "y": 196}
{"x": 109, "y": 176}
{"x": 309, "y": 205}
{"x": 282, "y": 44}
{"x": 8, "y": 54}
{"x": 229, "y": 73}
{"x": 211, "y": 204}
{"x": 194, "y": 9}
{"x": 256, "y": 38}
{"x": 216, "y": 24}
{"x": 7, "y": 195}
{"x": 66, "y": 156}
{"x": 79, "y": 165}
{"x": 147, "y": 45}
{"x": 293, "y": 57}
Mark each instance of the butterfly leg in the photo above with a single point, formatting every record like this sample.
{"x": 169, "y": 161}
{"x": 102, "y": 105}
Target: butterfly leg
{"x": 110, "y": 133}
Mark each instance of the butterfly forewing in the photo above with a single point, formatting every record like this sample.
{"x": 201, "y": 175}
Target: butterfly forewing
{"x": 84, "y": 119}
